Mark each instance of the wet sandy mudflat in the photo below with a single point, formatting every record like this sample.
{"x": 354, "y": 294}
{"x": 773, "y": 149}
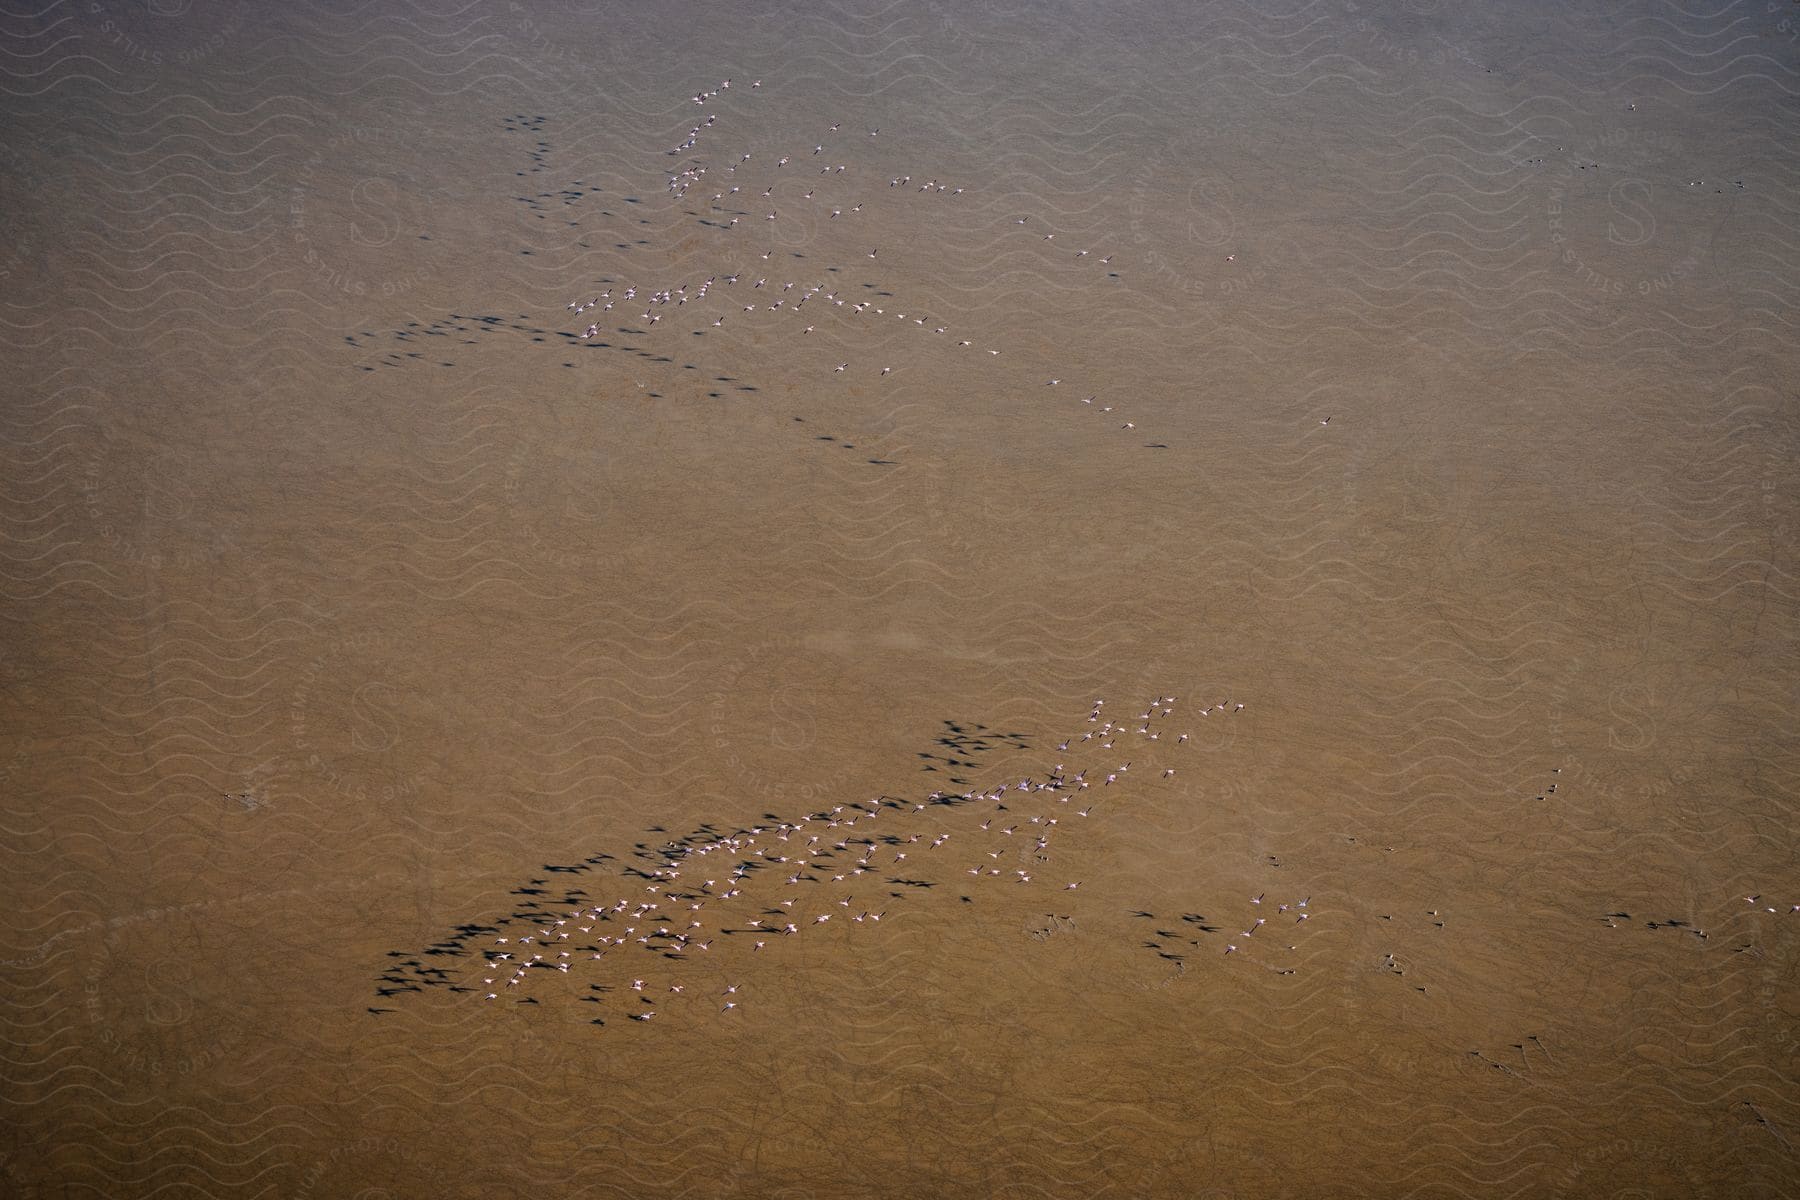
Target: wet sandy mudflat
{"x": 1038, "y": 600}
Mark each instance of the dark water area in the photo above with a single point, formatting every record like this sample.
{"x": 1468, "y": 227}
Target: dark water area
{"x": 1189, "y": 600}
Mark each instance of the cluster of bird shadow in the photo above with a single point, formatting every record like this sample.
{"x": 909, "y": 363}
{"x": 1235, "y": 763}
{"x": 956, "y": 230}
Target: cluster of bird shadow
{"x": 571, "y": 195}
{"x": 435, "y": 343}
{"x": 961, "y": 747}
{"x": 547, "y": 898}
{"x": 1165, "y": 941}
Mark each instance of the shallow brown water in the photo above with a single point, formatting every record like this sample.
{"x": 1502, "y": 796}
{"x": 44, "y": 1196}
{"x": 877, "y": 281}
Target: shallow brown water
{"x": 1424, "y": 385}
